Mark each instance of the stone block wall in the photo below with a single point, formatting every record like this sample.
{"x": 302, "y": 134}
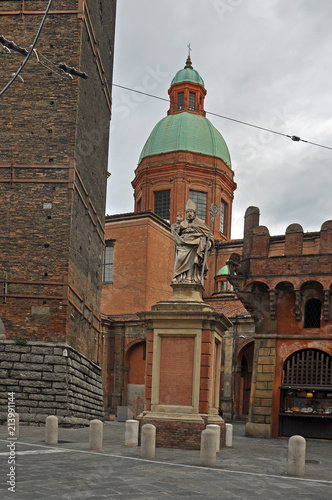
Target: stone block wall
{"x": 264, "y": 383}
{"x": 49, "y": 379}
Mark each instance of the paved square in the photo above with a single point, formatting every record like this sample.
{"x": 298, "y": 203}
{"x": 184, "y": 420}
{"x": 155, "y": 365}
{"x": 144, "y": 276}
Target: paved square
{"x": 251, "y": 469}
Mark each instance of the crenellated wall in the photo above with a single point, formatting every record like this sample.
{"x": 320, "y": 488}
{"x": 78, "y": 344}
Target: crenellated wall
{"x": 285, "y": 282}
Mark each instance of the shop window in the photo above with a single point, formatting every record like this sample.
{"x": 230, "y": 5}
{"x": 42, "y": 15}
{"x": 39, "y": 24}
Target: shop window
{"x": 223, "y": 207}
{"x": 200, "y": 201}
{"x": 192, "y": 97}
{"x": 312, "y": 313}
{"x": 162, "y": 203}
{"x": 180, "y": 100}
{"x": 108, "y": 262}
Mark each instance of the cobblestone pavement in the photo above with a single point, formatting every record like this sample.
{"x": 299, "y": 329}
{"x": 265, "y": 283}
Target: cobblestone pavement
{"x": 251, "y": 469}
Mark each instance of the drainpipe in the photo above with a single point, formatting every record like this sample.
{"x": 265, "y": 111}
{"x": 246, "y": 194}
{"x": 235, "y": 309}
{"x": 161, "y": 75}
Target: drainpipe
{"x": 234, "y": 366}
{"x": 123, "y": 331}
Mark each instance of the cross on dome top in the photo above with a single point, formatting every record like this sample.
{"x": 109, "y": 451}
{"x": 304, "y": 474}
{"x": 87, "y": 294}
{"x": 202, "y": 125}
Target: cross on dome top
{"x": 188, "y": 61}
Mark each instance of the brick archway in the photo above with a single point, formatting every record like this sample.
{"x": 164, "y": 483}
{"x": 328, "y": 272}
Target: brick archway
{"x": 243, "y": 380}
{"x": 135, "y": 376}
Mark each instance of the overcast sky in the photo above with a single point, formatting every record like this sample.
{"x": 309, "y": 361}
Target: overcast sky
{"x": 266, "y": 62}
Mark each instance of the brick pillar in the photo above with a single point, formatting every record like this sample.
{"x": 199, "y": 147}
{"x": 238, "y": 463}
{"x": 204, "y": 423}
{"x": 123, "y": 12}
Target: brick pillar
{"x": 260, "y": 242}
{"x": 294, "y": 240}
{"x": 226, "y": 396}
{"x": 326, "y": 237}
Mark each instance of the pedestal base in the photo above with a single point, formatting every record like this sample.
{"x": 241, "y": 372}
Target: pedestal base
{"x": 181, "y": 431}
{"x": 187, "y": 292}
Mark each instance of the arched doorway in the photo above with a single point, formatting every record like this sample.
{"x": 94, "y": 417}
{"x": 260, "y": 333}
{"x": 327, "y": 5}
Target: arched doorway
{"x": 135, "y": 379}
{"x": 306, "y": 395}
{"x": 243, "y": 380}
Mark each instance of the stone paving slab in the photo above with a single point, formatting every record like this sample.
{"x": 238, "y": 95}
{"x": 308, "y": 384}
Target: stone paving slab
{"x": 251, "y": 469}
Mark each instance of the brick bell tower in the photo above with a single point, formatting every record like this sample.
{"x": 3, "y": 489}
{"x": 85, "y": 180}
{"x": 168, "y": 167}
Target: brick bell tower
{"x": 53, "y": 172}
{"x": 185, "y": 157}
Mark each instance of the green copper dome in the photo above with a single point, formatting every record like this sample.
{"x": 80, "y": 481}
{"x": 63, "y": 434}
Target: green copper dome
{"x": 224, "y": 271}
{"x": 188, "y": 75}
{"x": 186, "y": 132}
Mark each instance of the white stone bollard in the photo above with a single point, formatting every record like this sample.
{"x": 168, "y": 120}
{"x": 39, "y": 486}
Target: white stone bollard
{"x": 296, "y": 456}
{"x": 216, "y": 429}
{"x": 51, "y": 430}
{"x": 148, "y": 441}
{"x": 131, "y": 432}
{"x": 229, "y": 435}
{"x": 96, "y": 435}
{"x": 208, "y": 448}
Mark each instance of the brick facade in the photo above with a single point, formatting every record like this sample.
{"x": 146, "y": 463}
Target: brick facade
{"x": 277, "y": 278}
{"x": 53, "y": 171}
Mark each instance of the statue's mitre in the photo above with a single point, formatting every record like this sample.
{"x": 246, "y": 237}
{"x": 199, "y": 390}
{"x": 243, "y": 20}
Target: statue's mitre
{"x": 191, "y": 205}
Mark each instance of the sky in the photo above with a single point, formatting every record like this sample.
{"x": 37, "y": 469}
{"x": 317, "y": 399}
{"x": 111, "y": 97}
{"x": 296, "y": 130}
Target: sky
{"x": 264, "y": 62}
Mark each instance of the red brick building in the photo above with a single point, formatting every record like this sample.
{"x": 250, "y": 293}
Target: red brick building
{"x": 276, "y": 359}
{"x": 286, "y": 283}
{"x": 184, "y": 157}
{"x": 53, "y": 171}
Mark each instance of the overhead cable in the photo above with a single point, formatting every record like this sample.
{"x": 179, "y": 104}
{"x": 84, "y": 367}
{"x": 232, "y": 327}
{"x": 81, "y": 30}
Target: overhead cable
{"x": 294, "y": 138}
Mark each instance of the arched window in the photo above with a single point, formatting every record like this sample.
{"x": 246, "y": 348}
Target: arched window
{"x": 312, "y": 313}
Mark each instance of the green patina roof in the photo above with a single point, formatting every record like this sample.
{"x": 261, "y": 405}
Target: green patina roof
{"x": 188, "y": 75}
{"x": 224, "y": 271}
{"x": 186, "y": 132}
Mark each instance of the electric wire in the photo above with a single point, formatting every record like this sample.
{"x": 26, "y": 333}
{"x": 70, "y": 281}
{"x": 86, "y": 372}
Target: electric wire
{"x": 15, "y": 75}
{"x": 66, "y": 75}
{"x": 292, "y": 137}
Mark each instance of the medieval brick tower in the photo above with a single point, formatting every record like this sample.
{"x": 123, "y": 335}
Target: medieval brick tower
{"x": 53, "y": 171}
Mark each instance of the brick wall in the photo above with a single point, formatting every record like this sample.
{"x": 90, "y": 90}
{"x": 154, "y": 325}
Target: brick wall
{"x": 143, "y": 263}
{"x": 53, "y": 171}
{"x": 183, "y": 435}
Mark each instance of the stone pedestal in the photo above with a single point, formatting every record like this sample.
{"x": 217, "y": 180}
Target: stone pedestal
{"x": 182, "y": 383}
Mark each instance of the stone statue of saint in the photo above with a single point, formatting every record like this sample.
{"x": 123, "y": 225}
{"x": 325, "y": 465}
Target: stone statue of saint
{"x": 191, "y": 236}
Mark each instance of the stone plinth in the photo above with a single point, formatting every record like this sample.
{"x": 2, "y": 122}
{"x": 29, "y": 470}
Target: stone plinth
{"x": 187, "y": 293}
{"x": 182, "y": 383}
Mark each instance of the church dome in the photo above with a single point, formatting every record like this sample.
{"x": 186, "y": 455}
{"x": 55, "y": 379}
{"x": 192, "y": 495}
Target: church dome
{"x": 188, "y": 75}
{"x": 186, "y": 132}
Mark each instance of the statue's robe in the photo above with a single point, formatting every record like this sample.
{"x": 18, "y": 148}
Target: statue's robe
{"x": 190, "y": 239}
